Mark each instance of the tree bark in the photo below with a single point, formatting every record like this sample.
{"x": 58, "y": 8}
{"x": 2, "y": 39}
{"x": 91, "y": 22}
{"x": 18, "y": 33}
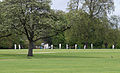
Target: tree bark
{"x": 106, "y": 45}
{"x": 86, "y": 43}
{"x": 31, "y": 47}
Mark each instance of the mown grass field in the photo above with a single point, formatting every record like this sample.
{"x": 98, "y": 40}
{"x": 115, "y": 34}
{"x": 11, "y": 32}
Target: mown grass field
{"x": 60, "y": 61}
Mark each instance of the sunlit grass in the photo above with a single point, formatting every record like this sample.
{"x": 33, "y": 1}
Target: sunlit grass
{"x": 60, "y": 61}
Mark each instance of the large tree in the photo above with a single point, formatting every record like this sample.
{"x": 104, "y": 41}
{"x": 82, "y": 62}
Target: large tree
{"x": 33, "y": 18}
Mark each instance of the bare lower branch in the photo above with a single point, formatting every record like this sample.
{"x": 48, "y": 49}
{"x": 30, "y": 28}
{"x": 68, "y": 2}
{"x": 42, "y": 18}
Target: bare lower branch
{"x": 5, "y": 35}
{"x": 56, "y": 33}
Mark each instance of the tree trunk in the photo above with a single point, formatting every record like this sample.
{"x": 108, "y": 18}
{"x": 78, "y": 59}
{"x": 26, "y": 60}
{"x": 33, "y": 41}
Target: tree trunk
{"x": 106, "y": 45}
{"x": 86, "y": 43}
{"x": 31, "y": 47}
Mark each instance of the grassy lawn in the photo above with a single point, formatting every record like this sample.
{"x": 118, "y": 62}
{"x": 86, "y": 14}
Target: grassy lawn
{"x": 60, "y": 61}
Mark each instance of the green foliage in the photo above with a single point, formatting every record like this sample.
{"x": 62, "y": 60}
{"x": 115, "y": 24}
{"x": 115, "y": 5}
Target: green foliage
{"x": 59, "y": 39}
{"x": 90, "y": 30}
{"x": 8, "y": 42}
{"x": 95, "y": 8}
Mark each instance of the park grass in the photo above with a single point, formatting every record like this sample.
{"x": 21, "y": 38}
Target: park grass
{"x": 60, "y": 61}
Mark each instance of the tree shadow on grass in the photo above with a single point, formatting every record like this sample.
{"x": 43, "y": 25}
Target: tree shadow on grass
{"x": 70, "y": 57}
{"x": 63, "y": 56}
{"x": 39, "y": 56}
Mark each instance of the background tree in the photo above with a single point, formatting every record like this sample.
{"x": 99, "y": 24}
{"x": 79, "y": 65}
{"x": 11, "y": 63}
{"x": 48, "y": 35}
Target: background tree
{"x": 115, "y": 32}
{"x": 96, "y": 10}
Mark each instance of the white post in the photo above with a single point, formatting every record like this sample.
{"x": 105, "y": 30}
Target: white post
{"x": 75, "y": 46}
{"x": 91, "y": 46}
{"x": 66, "y": 46}
{"x": 60, "y": 46}
{"x": 19, "y": 46}
{"x": 44, "y": 46}
{"x": 15, "y": 46}
{"x": 113, "y": 46}
{"x": 84, "y": 46}
{"x": 51, "y": 46}
{"x": 47, "y": 46}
